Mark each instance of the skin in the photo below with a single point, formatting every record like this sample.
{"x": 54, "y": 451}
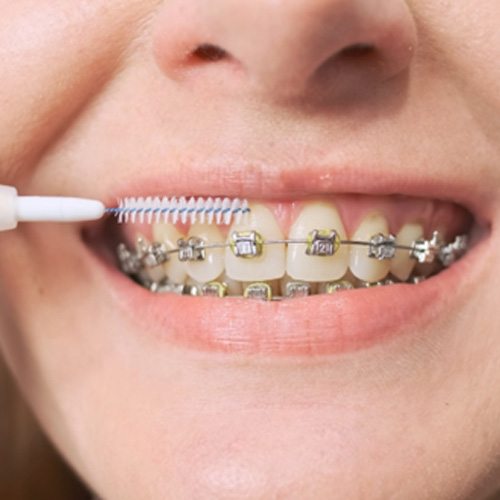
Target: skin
{"x": 413, "y": 419}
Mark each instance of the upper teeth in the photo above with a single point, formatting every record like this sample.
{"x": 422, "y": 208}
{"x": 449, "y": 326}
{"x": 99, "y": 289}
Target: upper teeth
{"x": 317, "y": 250}
{"x": 303, "y": 263}
{"x": 364, "y": 266}
{"x": 212, "y": 266}
{"x": 268, "y": 263}
{"x": 169, "y": 236}
{"x": 402, "y": 264}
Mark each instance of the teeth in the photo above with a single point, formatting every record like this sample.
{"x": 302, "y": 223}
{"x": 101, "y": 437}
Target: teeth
{"x": 251, "y": 263}
{"x": 426, "y": 269}
{"x": 336, "y": 286}
{"x": 213, "y": 265}
{"x": 193, "y": 286}
{"x": 214, "y": 289}
{"x": 268, "y": 266}
{"x": 416, "y": 280}
{"x": 402, "y": 264}
{"x": 321, "y": 216}
{"x": 297, "y": 289}
{"x": 362, "y": 266}
{"x": 233, "y": 287}
{"x": 287, "y": 287}
{"x": 274, "y": 286}
{"x": 259, "y": 291}
{"x": 155, "y": 273}
{"x": 169, "y": 235}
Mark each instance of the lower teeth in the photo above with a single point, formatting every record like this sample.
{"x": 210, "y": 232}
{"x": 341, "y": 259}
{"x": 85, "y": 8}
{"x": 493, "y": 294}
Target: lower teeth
{"x": 263, "y": 290}
{"x": 145, "y": 266}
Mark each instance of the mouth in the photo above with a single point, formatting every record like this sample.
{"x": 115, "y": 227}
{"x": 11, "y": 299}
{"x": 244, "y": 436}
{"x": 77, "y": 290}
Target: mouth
{"x": 305, "y": 272}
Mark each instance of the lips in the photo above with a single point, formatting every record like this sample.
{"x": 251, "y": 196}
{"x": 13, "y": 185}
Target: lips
{"x": 316, "y": 325}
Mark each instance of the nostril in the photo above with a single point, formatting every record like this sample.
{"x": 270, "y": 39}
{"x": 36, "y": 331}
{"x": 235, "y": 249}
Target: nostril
{"x": 209, "y": 53}
{"x": 357, "y": 50}
{"x": 353, "y": 59}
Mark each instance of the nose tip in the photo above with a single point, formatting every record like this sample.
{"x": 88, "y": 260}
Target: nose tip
{"x": 286, "y": 48}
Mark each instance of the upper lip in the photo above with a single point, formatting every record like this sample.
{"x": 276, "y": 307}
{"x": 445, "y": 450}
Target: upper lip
{"x": 271, "y": 182}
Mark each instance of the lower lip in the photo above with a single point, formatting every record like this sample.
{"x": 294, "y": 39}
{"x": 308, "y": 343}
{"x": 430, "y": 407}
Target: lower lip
{"x": 317, "y": 325}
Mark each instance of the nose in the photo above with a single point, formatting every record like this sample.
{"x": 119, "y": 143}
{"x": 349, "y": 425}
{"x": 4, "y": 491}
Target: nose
{"x": 285, "y": 48}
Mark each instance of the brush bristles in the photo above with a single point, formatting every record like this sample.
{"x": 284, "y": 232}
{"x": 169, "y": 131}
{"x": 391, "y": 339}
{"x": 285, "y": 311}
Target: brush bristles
{"x": 155, "y": 210}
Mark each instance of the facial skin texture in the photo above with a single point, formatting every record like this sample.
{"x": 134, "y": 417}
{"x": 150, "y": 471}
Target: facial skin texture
{"x": 93, "y": 93}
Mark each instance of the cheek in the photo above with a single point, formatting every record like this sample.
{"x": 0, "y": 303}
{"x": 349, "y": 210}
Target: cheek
{"x": 61, "y": 340}
{"x": 459, "y": 41}
{"x": 463, "y": 38}
{"x": 55, "y": 55}
{"x": 53, "y": 316}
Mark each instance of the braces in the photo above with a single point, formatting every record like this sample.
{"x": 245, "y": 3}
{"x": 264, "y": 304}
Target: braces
{"x": 263, "y": 291}
{"x": 320, "y": 243}
{"x": 250, "y": 244}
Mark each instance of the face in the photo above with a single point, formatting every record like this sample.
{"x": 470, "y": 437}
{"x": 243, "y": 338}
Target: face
{"x": 324, "y": 114}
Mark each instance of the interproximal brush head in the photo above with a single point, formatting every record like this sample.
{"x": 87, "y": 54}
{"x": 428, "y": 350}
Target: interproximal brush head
{"x": 172, "y": 210}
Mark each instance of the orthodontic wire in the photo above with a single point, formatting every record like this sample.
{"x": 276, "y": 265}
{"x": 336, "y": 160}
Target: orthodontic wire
{"x": 215, "y": 246}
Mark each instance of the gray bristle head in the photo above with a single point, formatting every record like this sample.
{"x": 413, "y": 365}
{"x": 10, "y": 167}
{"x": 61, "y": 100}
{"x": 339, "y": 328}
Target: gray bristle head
{"x": 156, "y": 210}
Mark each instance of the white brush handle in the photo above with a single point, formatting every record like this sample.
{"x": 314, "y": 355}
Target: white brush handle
{"x": 14, "y": 209}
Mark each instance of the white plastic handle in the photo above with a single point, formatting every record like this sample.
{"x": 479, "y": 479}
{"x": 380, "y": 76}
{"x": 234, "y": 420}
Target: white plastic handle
{"x": 8, "y": 218}
{"x": 14, "y": 209}
{"x": 57, "y": 209}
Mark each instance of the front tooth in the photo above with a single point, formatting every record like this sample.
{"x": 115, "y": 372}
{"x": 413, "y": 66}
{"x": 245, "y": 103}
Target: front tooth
{"x": 169, "y": 235}
{"x": 402, "y": 265}
{"x": 316, "y": 268}
{"x": 213, "y": 265}
{"x": 362, "y": 266}
{"x": 268, "y": 266}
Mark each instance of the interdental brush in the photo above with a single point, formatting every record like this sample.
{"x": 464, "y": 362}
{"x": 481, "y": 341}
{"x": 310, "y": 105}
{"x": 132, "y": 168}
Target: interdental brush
{"x": 15, "y": 209}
